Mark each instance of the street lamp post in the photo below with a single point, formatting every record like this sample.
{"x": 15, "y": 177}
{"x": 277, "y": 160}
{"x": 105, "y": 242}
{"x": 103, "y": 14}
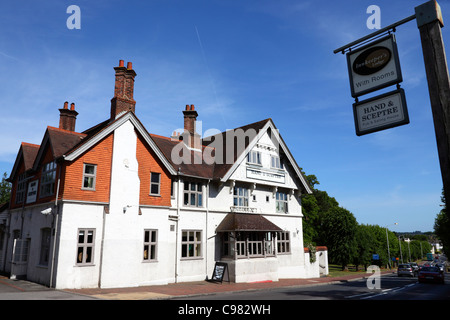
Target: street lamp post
{"x": 387, "y": 240}
{"x": 400, "y": 245}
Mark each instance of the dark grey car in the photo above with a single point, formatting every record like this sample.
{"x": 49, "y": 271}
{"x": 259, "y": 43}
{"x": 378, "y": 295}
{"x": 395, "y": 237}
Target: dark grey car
{"x": 405, "y": 270}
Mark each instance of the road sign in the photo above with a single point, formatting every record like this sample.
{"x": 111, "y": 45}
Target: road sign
{"x": 374, "y": 66}
{"x": 381, "y": 112}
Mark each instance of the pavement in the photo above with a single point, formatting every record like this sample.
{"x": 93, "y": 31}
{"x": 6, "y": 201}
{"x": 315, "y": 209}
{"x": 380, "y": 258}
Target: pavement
{"x": 26, "y": 290}
{"x": 200, "y": 288}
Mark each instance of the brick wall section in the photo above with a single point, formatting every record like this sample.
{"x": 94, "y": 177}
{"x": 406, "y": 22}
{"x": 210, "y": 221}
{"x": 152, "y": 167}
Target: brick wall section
{"x": 148, "y": 162}
{"x": 100, "y": 155}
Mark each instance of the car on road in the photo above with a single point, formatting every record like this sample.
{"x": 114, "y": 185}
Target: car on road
{"x": 405, "y": 270}
{"x": 431, "y": 274}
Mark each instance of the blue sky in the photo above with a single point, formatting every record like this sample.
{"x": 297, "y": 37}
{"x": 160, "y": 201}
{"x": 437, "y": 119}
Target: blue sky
{"x": 238, "y": 62}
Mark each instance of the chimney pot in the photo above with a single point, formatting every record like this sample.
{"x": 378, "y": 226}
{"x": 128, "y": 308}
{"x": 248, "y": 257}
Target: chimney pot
{"x": 123, "y": 90}
{"x": 192, "y": 107}
{"x": 67, "y": 118}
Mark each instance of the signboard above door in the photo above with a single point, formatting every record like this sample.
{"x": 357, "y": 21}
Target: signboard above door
{"x": 374, "y": 66}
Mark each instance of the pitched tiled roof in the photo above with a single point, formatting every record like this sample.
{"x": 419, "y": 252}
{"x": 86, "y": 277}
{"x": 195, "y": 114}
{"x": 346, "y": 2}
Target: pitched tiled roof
{"x": 222, "y": 167}
{"x": 29, "y": 152}
{"x": 197, "y": 166}
{"x": 62, "y": 140}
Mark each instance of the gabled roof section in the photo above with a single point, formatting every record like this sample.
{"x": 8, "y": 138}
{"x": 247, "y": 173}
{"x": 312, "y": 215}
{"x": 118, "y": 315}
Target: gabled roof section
{"x": 27, "y": 153}
{"x": 97, "y": 133}
{"x": 239, "y": 141}
{"x": 224, "y": 165}
{"x": 225, "y": 170}
{"x": 59, "y": 141}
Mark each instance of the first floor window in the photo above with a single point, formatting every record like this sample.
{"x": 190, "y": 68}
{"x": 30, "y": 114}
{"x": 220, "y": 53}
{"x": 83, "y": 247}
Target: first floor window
{"x": 85, "y": 246}
{"x": 281, "y": 202}
{"x": 155, "y": 183}
{"x": 283, "y": 242}
{"x": 240, "y": 197}
{"x": 45, "y": 246}
{"x": 150, "y": 243}
{"x": 89, "y": 173}
{"x": 21, "y": 186}
{"x": 191, "y": 244}
{"x": 48, "y": 179}
{"x": 193, "y": 194}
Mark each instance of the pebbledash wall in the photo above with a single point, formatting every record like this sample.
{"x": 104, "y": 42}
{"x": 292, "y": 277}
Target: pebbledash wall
{"x": 138, "y": 238}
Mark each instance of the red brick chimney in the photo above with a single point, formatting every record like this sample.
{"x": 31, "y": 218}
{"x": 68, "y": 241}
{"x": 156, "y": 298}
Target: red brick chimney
{"x": 191, "y": 138}
{"x": 123, "y": 90}
{"x": 67, "y": 118}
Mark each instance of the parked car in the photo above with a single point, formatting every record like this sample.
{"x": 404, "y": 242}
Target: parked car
{"x": 432, "y": 274}
{"x": 405, "y": 270}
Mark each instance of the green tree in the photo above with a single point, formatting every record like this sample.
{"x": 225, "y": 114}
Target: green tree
{"x": 442, "y": 226}
{"x": 364, "y": 247}
{"x": 339, "y": 227}
{"x": 5, "y": 189}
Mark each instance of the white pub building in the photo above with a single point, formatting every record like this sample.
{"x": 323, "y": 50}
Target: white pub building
{"x": 117, "y": 206}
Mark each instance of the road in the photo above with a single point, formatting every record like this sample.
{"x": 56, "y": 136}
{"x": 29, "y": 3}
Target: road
{"x": 391, "y": 288}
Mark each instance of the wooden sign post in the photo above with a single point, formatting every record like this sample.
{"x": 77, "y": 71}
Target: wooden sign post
{"x": 429, "y": 21}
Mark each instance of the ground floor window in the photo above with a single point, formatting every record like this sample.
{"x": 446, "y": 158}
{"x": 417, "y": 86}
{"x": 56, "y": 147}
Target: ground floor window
{"x": 248, "y": 244}
{"x": 191, "y": 244}
{"x": 85, "y": 246}
{"x": 45, "y": 246}
{"x": 150, "y": 244}
{"x": 283, "y": 242}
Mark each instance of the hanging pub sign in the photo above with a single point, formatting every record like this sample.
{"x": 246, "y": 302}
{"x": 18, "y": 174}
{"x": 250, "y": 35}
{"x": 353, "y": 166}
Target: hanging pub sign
{"x": 381, "y": 112}
{"x": 374, "y": 66}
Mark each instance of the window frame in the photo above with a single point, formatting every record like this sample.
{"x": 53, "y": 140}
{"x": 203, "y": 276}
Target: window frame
{"x": 93, "y": 176}
{"x": 197, "y": 245}
{"x": 85, "y": 246}
{"x": 281, "y": 202}
{"x": 151, "y": 243}
{"x": 276, "y": 163}
{"x": 48, "y": 170}
{"x": 44, "y": 253}
{"x": 196, "y": 195}
{"x": 283, "y": 242}
{"x": 254, "y": 157}
{"x": 157, "y": 184}
{"x": 21, "y": 189}
{"x": 237, "y": 196}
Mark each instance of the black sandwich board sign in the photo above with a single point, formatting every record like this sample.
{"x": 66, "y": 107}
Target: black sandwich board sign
{"x": 381, "y": 112}
{"x": 374, "y": 66}
{"x": 219, "y": 272}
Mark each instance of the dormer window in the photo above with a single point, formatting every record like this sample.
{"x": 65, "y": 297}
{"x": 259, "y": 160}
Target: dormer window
{"x": 48, "y": 179}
